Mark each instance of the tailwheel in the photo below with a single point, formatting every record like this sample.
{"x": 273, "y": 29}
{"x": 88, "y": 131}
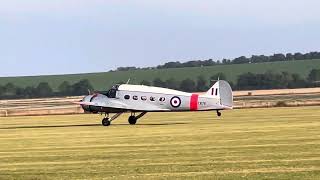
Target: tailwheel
{"x": 106, "y": 122}
{"x": 219, "y": 113}
{"x": 132, "y": 120}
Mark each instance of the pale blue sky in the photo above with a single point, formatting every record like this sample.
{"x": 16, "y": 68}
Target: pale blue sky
{"x": 72, "y": 36}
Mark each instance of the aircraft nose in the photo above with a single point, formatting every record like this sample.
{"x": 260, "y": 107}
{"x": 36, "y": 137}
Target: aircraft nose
{"x": 85, "y": 103}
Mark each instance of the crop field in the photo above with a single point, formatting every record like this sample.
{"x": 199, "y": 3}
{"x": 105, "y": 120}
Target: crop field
{"x": 102, "y": 81}
{"x": 274, "y": 143}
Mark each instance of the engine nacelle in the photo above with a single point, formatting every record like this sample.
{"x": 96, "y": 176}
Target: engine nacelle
{"x": 86, "y": 104}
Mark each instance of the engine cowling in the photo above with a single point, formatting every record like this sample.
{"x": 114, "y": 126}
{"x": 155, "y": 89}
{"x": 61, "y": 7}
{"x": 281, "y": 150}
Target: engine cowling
{"x": 86, "y": 103}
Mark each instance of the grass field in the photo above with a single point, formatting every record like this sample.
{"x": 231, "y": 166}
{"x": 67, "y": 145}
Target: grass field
{"x": 102, "y": 81}
{"x": 275, "y": 143}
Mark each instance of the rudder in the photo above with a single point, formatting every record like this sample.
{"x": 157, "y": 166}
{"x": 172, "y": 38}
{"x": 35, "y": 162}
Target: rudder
{"x": 223, "y": 91}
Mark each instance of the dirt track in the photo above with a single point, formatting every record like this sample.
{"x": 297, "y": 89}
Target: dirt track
{"x": 277, "y": 92}
{"x": 242, "y": 99}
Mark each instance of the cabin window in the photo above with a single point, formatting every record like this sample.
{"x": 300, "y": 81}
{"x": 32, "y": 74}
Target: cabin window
{"x": 217, "y": 92}
{"x": 143, "y": 98}
{"x": 126, "y": 97}
{"x": 135, "y": 98}
{"x": 152, "y": 98}
{"x": 162, "y": 99}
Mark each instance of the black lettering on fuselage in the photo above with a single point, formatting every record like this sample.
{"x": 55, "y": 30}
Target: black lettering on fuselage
{"x": 202, "y": 103}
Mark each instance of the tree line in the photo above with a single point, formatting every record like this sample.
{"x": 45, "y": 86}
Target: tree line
{"x": 239, "y": 60}
{"x": 245, "y": 81}
{"x": 43, "y": 89}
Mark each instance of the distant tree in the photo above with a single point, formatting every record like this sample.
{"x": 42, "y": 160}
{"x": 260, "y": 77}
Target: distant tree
{"x": 130, "y": 68}
{"x": 192, "y": 64}
{"x": 44, "y": 90}
{"x": 159, "y": 83}
{"x": 145, "y": 82}
{"x": 297, "y": 82}
{"x": 9, "y": 90}
{"x": 241, "y": 60}
{"x": 277, "y": 57}
{"x": 255, "y": 59}
{"x": 217, "y": 76}
{"x": 201, "y": 84}
{"x": 247, "y": 81}
{"x": 20, "y": 93}
{"x": 209, "y": 62}
{"x": 285, "y": 79}
{"x": 81, "y": 87}
{"x": 30, "y": 92}
{"x": 176, "y": 64}
{"x": 315, "y": 55}
{"x": 289, "y": 57}
{"x": 65, "y": 88}
{"x": 298, "y": 56}
{"x": 2, "y": 91}
{"x": 172, "y": 83}
{"x": 224, "y": 61}
{"x": 308, "y": 56}
{"x": 270, "y": 80}
{"x": 188, "y": 85}
{"x": 259, "y": 59}
{"x": 314, "y": 75}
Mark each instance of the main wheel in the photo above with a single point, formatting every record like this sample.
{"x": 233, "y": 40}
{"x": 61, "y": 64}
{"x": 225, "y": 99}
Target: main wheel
{"x": 132, "y": 120}
{"x": 106, "y": 122}
{"x": 219, "y": 113}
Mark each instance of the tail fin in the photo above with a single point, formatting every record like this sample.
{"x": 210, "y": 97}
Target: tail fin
{"x": 223, "y": 91}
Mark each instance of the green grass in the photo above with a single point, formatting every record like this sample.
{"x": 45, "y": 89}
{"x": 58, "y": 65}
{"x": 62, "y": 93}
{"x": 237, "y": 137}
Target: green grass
{"x": 278, "y": 143}
{"x": 102, "y": 81}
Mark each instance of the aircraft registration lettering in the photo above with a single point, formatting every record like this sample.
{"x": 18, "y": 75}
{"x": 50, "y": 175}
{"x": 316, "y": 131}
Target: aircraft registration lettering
{"x": 202, "y": 103}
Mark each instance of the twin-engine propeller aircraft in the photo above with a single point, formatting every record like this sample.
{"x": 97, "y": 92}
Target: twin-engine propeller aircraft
{"x": 142, "y": 99}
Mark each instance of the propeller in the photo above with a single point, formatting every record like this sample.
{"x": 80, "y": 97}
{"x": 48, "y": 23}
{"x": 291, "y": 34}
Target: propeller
{"x": 84, "y": 103}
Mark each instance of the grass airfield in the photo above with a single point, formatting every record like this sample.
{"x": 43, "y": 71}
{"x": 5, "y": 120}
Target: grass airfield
{"x": 275, "y": 143}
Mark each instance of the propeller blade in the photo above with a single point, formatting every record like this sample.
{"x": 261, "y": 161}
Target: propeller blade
{"x": 84, "y": 103}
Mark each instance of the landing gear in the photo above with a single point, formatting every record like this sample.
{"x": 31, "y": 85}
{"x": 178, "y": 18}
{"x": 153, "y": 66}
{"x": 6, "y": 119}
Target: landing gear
{"x": 106, "y": 122}
{"x": 219, "y": 113}
{"x": 133, "y": 119}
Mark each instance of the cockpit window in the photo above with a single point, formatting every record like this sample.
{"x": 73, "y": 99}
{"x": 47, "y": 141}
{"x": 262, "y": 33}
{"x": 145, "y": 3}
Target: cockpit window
{"x": 112, "y": 93}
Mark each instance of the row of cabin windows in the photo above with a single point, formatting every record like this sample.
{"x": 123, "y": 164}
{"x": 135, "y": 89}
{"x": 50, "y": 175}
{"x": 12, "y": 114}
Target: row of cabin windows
{"x": 144, "y": 98}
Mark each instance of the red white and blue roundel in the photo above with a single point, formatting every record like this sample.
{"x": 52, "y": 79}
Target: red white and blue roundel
{"x": 175, "y": 102}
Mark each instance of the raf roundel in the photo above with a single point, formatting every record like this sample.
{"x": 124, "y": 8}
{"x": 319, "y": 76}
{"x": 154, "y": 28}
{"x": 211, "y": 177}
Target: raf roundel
{"x": 175, "y": 102}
